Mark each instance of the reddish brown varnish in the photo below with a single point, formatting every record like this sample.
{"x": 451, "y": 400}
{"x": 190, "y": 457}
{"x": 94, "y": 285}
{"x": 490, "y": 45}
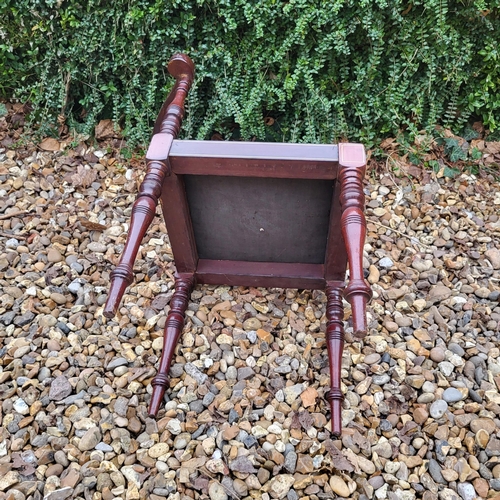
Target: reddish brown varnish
{"x": 169, "y": 160}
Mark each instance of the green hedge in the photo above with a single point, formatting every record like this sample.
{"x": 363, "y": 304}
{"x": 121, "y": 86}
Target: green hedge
{"x": 299, "y": 70}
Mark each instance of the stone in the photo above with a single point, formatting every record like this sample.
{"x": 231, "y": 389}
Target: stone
{"x": 439, "y": 293}
{"x": 452, "y": 395}
{"x": 280, "y": 485}
{"x": 290, "y": 462}
{"x": 9, "y": 479}
{"x": 438, "y": 408}
{"x": 60, "y": 388}
{"x": 53, "y": 255}
{"x": 493, "y": 255}
{"x": 484, "y": 423}
{"x": 437, "y": 354}
{"x": 60, "y": 494}
{"x": 252, "y": 324}
{"x": 339, "y": 486}
{"x": 466, "y": 491}
{"x": 90, "y": 439}
{"x": 386, "y": 262}
{"x": 304, "y": 464}
{"x": 216, "y": 491}
{"x": 293, "y": 392}
{"x": 435, "y": 472}
{"x": 420, "y": 415}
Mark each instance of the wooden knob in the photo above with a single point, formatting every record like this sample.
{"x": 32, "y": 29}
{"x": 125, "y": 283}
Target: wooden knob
{"x": 181, "y": 65}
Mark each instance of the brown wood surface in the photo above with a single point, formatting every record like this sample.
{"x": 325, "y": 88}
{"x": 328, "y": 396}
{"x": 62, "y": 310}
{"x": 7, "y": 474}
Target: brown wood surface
{"x": 265, "y": 274}
{"x": 144, "y": 209}
{"x": 335, "y": 345}
{"x": 179, "y": 226}
{"x": 255, "y": 159}
{"x": 336, "y": 253}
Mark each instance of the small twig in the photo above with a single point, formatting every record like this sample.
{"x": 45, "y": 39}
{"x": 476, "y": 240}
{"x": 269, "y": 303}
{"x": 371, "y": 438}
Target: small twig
{"x": 204, "y": 471}
{"x": 17, "y": 236}
{"x": 12, "y": 214}
{"x": 413, "y": 239}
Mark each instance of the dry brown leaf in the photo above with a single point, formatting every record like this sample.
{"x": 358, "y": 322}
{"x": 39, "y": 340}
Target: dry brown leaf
{"x": 106, "y": 129}
{"x": 493, "y": 147}
{"x": 340, "y": 462}
{"x": 92, "y": 226}
{"x": 389, "y": 142}
{"x": 84, "y": 177}
{"x": 477, "y": 143}
{"x": 50, "y": 144}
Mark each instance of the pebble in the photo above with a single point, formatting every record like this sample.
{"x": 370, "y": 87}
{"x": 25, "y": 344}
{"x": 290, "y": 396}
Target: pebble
{"x": 60, "y": 388}
{"x": 452, "y": 395}
{"x": 438, "y": 408}
{"x": 466, "y": 491}
{"x": 339, "y": 486}
{"x": 90, "y": 439}
{"x": 216, "y": 491}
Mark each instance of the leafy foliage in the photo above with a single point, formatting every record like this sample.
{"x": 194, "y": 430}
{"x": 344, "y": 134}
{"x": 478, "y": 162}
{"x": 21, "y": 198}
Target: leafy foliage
{"x": 321, "y": 70}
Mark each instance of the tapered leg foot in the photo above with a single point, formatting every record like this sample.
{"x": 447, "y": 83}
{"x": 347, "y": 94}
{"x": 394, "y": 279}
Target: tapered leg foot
{"x": 335, "y": 346}
{"x": 173, "y": 328}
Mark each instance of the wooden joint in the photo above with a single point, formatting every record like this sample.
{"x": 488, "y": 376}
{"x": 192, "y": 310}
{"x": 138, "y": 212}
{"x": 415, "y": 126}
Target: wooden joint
{"x": 335, "y": 333}
{"x": 161, "y": 380}
{"x": 357, "y": 287}
{"x": 351, "y": 216}
{"x": 124, "y": 271}
{"x": 334, "y": 395}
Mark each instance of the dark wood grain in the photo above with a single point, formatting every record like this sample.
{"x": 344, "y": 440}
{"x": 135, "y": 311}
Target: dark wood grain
{"x": 175, "y": 209}
{"x": 144, "y": 209}
{"x": 173, "y": 328}
{"x": 265, "y": 274}
{"x": 255, "y": 159}
{"x": 335, "y": 346}
{"x": 352, "y": 170}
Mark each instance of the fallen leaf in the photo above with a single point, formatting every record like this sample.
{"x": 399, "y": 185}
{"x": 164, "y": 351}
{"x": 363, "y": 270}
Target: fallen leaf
{"x": 340, "y": 462}
{"x": 478, "y": 143}
{"x": 306, "y": 420}
{"x": 309, "y": 397}
{"x": 84, "y": 177}
{"x": 106, "y": 129}
{"x": 351, "y": 457}
{"x": 407, "y": 432}
{"x": 50, "y": 144}
{"x": 493, "y": 147}
{"x": 396, "y": 406}
{"x": 361, "y": 441}
{"x": 92, "y": 226}
{"x": 386, "y": 143}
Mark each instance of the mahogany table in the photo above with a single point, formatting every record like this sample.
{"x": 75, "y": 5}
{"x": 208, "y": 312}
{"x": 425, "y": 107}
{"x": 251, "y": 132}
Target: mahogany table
{"x": 251, "y": 214}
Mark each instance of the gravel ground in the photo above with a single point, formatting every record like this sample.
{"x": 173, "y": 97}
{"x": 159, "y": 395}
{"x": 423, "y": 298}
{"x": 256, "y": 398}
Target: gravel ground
{"x": 246, "y": 416}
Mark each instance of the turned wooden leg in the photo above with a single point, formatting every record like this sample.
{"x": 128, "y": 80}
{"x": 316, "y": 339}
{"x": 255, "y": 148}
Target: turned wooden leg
{"x": 143, "y": 211}
{"x": 335, "y": 346}
{"x": 352, "y": 170}
{"x": 173, "y": 328}
{"x": 166, "y": 130}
